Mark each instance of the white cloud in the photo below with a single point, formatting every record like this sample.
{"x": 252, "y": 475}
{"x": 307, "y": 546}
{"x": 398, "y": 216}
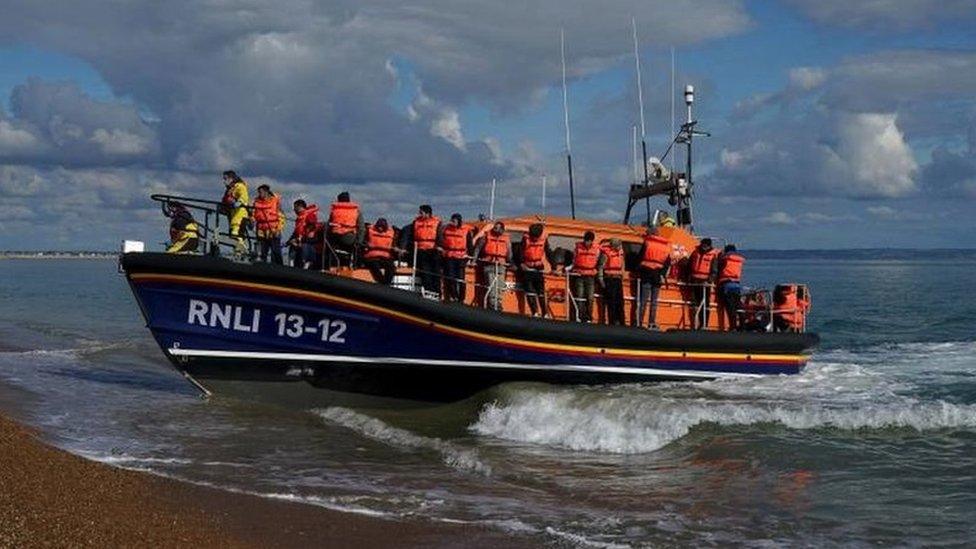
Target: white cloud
{"x": 886, "y": 15}
{"x": 874, "y": 154}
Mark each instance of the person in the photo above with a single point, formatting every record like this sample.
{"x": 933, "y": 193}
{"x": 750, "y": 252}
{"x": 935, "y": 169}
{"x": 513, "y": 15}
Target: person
{"x": 790, "y": 305}
{"x": 379, "y": 253}
{"x": 610, "y": 275}
{"x": 269, "y": 220}
{"x": 729, "y": 288}
{"x": 701, "y": 274}
{"x": 665, "y": 220}
{"x": 454, "y": 247}
{"x": 655, "y": 257}
{"x": 234, "y": 205}
{"x": 494, "y": 252}
{"x": 535, "y": 251}
{"x": 184, "y": 233}
{"x": 346, "y": 230}
{"x": 422, "y": 235}
{"x": 585, "y": 259}
{"x": 301, "y": 239}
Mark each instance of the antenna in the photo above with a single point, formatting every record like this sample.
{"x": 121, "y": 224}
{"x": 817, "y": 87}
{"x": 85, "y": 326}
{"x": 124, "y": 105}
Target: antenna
{"x": 634, "y": 162}
{"x": 672, "y": 104}
{"x": 491, "y": 205}
{"x": 640, "y": 101}
{"x": 569, "y": 149}
{"x": 543, "y": 196}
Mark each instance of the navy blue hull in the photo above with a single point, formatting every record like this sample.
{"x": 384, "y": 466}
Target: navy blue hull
{"x": 217, "y": 320}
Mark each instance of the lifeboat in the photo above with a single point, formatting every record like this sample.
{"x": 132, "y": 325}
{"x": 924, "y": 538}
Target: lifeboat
{"x": 263, "y": 329}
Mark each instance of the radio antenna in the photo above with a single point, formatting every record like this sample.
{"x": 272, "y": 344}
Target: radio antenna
{"x": 569, "y": 149}
{"x": 672, "y": 104}
{"x": 543, "y": 196}
{"x": 640, "y": 101}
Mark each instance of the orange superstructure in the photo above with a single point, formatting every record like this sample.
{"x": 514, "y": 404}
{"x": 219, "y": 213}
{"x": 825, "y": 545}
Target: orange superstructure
{"x": 674, "y": 300}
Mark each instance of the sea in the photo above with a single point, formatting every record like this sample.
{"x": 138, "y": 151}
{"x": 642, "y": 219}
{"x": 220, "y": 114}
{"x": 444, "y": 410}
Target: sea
{"x": 873, "y": 444}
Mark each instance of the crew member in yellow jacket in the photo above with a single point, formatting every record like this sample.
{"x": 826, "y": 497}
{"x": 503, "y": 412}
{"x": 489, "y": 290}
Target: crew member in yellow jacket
{"x": 235, "y": 203}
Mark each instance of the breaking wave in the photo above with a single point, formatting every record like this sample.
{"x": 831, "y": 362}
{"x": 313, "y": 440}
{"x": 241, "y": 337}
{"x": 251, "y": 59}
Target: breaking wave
{"x": 838, "y": 393}
{"x": 375, "y": 429}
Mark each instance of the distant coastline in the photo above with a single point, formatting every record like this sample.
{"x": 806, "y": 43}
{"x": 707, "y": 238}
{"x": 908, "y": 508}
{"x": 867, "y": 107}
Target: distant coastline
{"x": 51, "y": 254}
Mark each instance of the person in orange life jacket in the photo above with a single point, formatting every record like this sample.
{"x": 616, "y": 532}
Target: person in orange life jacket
{"x": 380, "y": 252}
{"x": 302, "y": 237}
{"x": 790, "y": 308}
{"x": 454, "y": 245}
{"x": 701, "y": 273}
{"x": 423, "y": 234}
{"x": 655, "y": 260}
{"x": 234, "y": 206}
{"x": 610, "y": 275}
{"x": 268, "y": 222}
{"x": 346, "y": 230}
{"x": 535, "y": 252}
{"x": 729, "y": 287}
{"x": 494, "y": 253}
{"x": 585, "y": 258}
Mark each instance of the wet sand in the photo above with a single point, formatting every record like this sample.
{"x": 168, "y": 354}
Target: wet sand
{"x": 49, "y": 497}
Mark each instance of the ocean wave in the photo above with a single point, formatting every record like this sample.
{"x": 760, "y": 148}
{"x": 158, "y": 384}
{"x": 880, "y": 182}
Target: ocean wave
{"x": 375, "y": 429}
{"x": 639, "y": 422}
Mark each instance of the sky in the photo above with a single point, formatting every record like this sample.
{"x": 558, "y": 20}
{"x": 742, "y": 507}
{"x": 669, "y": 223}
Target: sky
{"x": 834, "y": 124}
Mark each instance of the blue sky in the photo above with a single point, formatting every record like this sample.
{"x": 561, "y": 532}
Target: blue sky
{"x": 835, "y": 124}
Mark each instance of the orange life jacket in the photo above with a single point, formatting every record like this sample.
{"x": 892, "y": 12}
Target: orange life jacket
{"x": 657, "y": 249}
{"x": 343, "y": 218}
{"x": 379, "y": 244}
{"x": 533, "y": 251}
{"x": 584, "y": 260}
{"x": 700, "y": 264}
{"x": 266, "y": 217}
{"x": 790, "y": 308}
{"x": 425, "y": 232}
{"x": 455, "y": 241}
{"x": 306, "y": 223}
{"x": 731, "y": 268}
{"x": 495, "y": 249}
{"x": 615, "y": 261}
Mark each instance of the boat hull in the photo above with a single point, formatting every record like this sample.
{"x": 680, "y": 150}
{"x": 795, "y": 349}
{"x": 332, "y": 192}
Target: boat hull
{"x": 220, "y": 321}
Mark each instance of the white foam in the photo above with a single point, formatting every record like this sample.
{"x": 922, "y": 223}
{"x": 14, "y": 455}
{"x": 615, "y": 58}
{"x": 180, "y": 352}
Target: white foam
{"x": 844, "y": 390}
{"x": 375, "y": 429}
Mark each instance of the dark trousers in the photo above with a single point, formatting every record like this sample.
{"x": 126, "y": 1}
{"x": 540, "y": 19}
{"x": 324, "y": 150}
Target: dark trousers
{"x": 271, "y": 244}
{"x": 428, "y": 270}
{"x": 298, "y": 256}
{"x": 584, "y": 287}
{"x": 650, "y": 285}
{"x": 702, "y": 295}
{"x": 731, "y": 293}
{"x": 613, "y": 300}
{"x": 534, "y": 284}
{"x": 382, "y": 269}
{"x": 343, "y": 249}
{"x": 454, "y": 286}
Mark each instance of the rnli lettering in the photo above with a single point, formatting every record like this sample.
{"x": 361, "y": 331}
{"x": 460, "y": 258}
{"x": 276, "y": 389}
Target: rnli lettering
{"x": 228, "y": 317}
{"x": 246, "y": 319}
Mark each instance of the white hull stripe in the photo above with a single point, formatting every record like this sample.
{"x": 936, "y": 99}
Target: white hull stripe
{"x": 649, "y": 372}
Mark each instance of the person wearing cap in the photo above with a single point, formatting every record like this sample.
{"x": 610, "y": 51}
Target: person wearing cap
{"x": 455, "y": 246}
{"x": 421, "y": 236}
{"x": 701, "y": 274}
{"x": 534, "y": 253}
{"x": 610, "y": 276}
{"x": 494, "y": 253}
{"x": 379, "y": 253}
{"x": 585, "y": 258}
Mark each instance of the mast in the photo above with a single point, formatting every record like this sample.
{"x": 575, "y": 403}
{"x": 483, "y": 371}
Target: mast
{"x": 491, "y": 205}
{"x": 543, "y": 196}
{"x": 640, "y": 101}
{"x": 569, "y": 149}
{"x": 672, "y": 103}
